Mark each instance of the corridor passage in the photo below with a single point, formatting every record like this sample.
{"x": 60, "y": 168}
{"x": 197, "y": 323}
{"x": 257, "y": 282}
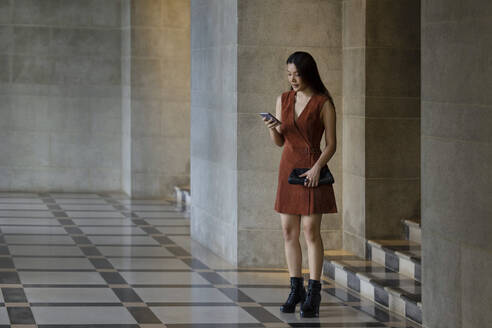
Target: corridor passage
{"x": 102, "y": 260}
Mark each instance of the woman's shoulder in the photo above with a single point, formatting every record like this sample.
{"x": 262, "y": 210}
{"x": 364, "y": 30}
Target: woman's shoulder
{"x": 285, "y": 94}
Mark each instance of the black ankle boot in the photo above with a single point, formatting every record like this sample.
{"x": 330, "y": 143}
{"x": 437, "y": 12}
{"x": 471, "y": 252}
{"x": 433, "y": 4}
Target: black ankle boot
{"x": 310, "y": 307}
{"x": 297, "y": 295}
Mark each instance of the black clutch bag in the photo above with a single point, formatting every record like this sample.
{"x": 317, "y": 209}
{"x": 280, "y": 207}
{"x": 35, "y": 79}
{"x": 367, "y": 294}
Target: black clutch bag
{"x": 325, "y": 176}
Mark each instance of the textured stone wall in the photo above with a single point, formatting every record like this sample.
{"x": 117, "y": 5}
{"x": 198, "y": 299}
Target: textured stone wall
{"x": 456, "y": 163}
{"x": 157, "y": 107}
{"x": 60, "y": 95}
{"x": 381, "y": 112}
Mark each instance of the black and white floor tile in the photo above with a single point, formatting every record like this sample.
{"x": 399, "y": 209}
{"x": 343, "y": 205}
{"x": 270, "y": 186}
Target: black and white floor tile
{"x": 103, "y": 260}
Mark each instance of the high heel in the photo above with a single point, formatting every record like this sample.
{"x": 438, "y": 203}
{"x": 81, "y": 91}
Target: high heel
{"x": 310, "y": 307}
{"x": 297, "y": 295}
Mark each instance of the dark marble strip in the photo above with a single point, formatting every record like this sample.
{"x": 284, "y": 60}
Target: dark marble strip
{"x": 381, "y": 296}
{"x": 353, "y": 281}
{"x": 56, "y": 270}
{"x": 73, "y": 231}
{"x": 6, "y": 263}
{"x": 409, "y": 297}
{"x": 143, "y": 257}
{"x": 121, "y": 245}
{"x": 235, "y": 294}
{"x": 7, "y": 277}
{"x": 143, "y": 315}
{"x": 413, "y": 312}
{"x": 115, "y": 235}
{"x": 215, "y": 325}
{"x": 64, "y": 286}
{"x": 66, "y": 222}
{"x": 90, "y": 251}
{"x": 178, "y": 251}
{"x": 90, "y": 326}
{"x": 418, "y": 272}
{"x": 163, "y": 240}
{"x": 155, "y": 270}
{"x": 127, "y": 295}
{"x": 170, "y": 286}
{"x": 14, "y": 295}
{"x": 51, "y": 257}
{"x": 34, "y": 234}
{"x": 101, "y": 263}
{"x": 113, "y": 278}
{"x": 336, "y": 324}
{"x": 261, "y": 314}
{"x": 151, "y": 230}
{"x": 81, "y": 240}
{"x": 23, "y": 209}
{"x": 251, "y": 270}
{"x": 171, "y": 225}
{"x": 392, "y": 261}
{"x": 33, "y": 225}
{"x": 20, "y": 315}
{"x": 87, "y": 304}
{"x": 214, "y": 278}
{"x": 195, "y": 263}
{"x": 27, "y": 244}
{"x": 189, "y": 304}
{"x": 108, "y": 225}
{"x": 60, "y": 214}
{"x": 262, "y": 286}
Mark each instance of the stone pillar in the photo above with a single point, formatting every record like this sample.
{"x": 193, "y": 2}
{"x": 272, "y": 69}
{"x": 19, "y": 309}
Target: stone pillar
{"x": 381, "y": 114}
{"x": 156, "y": 100}
{"x": 214, "y": 125}
{"x": 456, "y": 163}
{"x": 239, "y": 49}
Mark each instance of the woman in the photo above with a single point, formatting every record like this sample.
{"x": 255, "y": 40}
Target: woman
{"x": 305, "y": 111}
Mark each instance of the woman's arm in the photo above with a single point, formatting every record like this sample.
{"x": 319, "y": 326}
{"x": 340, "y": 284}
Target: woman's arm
{"x": 276, "y": 129}
{"x": 328, "y": 117}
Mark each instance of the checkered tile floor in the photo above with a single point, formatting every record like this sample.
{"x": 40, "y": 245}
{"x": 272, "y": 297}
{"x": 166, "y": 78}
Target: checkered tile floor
{"x": 103, "y": 260}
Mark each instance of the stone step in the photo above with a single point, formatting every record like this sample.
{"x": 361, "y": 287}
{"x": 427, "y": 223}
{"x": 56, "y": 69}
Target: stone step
{"x": 402, "y": 256}
{"x": 412, "y": 230}
{"x": 396, "y": 292}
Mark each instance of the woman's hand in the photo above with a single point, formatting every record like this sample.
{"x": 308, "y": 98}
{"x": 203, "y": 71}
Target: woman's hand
{"x": 270, "y": 123}
{"x": 312, "y": 176}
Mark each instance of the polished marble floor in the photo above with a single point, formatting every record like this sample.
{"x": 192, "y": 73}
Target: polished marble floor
{"x": 103, "y": 260}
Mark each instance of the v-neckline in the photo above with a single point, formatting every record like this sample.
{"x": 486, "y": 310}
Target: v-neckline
{"x": 303, "y": 110}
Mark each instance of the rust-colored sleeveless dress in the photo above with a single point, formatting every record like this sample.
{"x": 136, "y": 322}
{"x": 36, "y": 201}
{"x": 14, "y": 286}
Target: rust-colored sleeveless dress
{"x": 302, "y": 149}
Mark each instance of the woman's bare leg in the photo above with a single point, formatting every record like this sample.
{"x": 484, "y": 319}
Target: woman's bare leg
{"x": 311, "y": 225}
{"x": 291, "y": 228}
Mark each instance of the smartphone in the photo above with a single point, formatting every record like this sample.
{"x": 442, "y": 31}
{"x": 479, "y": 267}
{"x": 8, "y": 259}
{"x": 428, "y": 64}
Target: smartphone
{"x": 269, "y": 116}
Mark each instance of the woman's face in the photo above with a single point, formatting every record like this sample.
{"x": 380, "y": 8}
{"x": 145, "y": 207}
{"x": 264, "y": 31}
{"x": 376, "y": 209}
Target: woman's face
{"x": 295, "y": 79}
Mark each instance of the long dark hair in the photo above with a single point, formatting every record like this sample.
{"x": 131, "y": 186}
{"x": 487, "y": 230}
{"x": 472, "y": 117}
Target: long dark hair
{"x": 308, "y": 70}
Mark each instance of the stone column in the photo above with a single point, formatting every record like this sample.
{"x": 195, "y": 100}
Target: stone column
{"x": 381, "y": 114}
{"x": 239, "y": 49}
{"x": 214, "y": 125}
{"x": 156, "y": 57}
{"x": 456, "y": 163}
